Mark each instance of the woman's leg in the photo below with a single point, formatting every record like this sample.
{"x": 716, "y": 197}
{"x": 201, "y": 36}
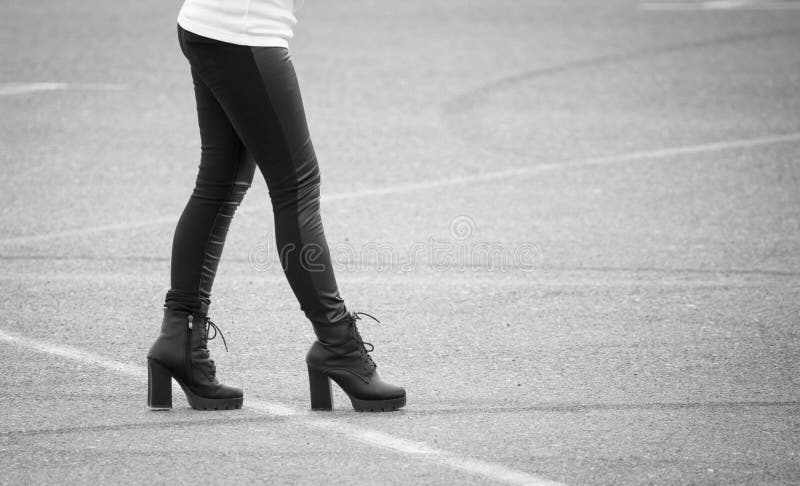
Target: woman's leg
{"x": 181, "y": 350}
{"x": 257, "y": 88}
{"x": 225, "y": 174}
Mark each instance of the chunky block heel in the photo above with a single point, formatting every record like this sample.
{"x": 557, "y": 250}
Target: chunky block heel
{"x": 321, "y": 394}
{"x": 159, "y": 386}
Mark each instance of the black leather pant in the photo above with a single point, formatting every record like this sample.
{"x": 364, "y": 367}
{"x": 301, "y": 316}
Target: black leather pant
{"x": 251, "y": 115}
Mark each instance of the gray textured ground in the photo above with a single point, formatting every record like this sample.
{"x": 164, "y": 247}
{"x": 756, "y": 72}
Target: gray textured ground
{"x": 655, "y": 339}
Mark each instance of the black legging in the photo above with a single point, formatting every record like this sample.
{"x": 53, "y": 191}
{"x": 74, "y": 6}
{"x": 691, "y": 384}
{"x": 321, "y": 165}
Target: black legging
{"x": 251, "y": 114}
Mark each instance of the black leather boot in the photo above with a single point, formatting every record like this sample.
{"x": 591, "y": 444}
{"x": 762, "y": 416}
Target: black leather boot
{"x": 181, "y": 352}
{"x": 339, "y": 354}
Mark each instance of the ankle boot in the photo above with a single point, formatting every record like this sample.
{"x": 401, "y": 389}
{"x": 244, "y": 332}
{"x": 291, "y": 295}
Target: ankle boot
{"x": 339, "y": 354}
{"x": 181, "y": 352}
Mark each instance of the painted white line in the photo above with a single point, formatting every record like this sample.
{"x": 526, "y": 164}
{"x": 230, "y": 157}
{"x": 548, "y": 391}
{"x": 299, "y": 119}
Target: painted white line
{"x": 493, "y": 471}
{"x": 74, "y": 354}
{"x": 677, "y": 6}
{"x": 412, "y": 449}
{"x": 580, "y": 163}
{"x": 448, "y": 182}
{"x": 10, "y": 89}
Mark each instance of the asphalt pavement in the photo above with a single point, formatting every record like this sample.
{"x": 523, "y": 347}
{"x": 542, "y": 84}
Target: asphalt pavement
{"x": 578, "y": 222}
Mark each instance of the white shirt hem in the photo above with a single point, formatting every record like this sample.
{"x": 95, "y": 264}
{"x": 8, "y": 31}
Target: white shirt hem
{"x": 239, "y": 39}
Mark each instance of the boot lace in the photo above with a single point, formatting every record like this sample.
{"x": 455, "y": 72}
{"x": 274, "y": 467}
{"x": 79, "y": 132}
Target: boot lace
{"x": 365, "y": 357}
{"x": 204, "y": 339}
{"x": 210, "y": 325}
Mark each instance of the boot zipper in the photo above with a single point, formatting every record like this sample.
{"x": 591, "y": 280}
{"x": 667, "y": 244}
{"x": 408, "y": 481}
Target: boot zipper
{"x": 189, "y": 319}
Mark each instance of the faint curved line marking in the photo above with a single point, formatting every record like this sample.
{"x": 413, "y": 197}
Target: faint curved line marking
{"x": 470, "y": 99}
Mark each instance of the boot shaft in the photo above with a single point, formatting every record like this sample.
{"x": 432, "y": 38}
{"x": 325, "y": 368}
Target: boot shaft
{"x": 182, "y": 346}
{"x": 340, "y": 346}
